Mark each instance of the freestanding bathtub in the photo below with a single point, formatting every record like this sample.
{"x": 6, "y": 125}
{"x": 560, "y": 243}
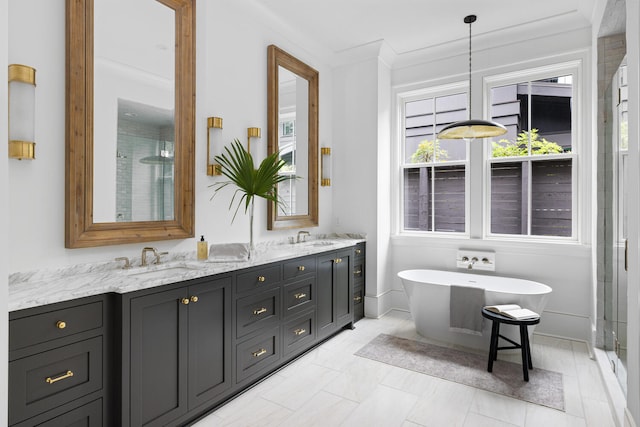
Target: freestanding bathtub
{"x": 428, "y": 293}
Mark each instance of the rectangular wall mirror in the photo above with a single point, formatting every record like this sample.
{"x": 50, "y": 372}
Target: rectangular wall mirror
{"x": 293, "y": 132}
{"x": 130, "y": 121}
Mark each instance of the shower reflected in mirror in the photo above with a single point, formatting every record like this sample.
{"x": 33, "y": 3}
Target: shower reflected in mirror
{"x": 144, "y": 163}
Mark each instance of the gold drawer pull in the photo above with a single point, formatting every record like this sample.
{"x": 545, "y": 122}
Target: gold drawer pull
{"x": 261, "y": 278}
{"x": 259, "y": 311}
{"x": 259, "y": 352}
{"x": 357, "y": 299}
{"x": 299, "y": 331}
{"x": 185, "y": 301}
{"x": 358, "y": 251}
{"x": 61, "y": 324}
{"x": 194, "y": 298}
{"x": 66, "y": 375}
{"x": 300, "y": 295}
{"x": 357, "y": 272}
{"x": 338, "y": 260}
{"x": 301, "y": 268}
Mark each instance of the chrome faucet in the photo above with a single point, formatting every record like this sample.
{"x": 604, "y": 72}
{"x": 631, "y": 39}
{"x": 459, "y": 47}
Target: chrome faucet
{"x": 155, "y": 253}
{"x": 304, "y": 235}
{"x": 473, "y": 261}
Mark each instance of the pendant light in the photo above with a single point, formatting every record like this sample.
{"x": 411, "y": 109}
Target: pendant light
{"x": 471, "y": 129}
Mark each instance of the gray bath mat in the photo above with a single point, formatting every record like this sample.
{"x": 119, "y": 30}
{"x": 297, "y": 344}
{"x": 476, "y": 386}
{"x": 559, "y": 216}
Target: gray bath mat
{"x": 544, "y": 387}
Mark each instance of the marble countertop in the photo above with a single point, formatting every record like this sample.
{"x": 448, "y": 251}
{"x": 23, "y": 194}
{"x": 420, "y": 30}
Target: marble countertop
{"x": 41, "y": 287}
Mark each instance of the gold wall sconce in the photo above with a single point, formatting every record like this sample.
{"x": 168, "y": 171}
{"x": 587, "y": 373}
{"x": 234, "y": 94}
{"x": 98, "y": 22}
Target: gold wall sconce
{"x": 252, "y": 133}
{"x": 325, "y": 166}
{"x": 22, "y": 107}
{"x": 213, "y": 169}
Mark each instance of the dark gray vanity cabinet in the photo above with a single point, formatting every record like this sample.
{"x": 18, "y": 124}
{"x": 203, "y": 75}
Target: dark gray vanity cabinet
{"x": 299, "y": 295}
{"x": 59, "y": 364}
{"x": 358, "y": 281}
{"x": 167, "y": 355}
{"x": 180, "y": 350}
{"x": 258, "y": 304}
{"x": 335, "y": 292}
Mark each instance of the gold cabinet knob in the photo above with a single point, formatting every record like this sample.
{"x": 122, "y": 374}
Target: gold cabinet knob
{"x": 357, "y": 299}
{"x": 300, "y": 295}
{"x": 358, "y": 251}
{"x": 194, "y": 298}
{"x": 299, "y": 332}
{"x": 301, "y": 268}
{"x": 185, "y": 301}
{"x": 261, "y": 278}
{"x": 259, "y": 311}
{"x": 338, "y": 260}
{"x": 61, "y": 324}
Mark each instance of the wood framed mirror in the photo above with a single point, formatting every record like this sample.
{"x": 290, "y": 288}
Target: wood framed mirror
{"x": 293, "y": 132}
{"x": 87, "y": 222}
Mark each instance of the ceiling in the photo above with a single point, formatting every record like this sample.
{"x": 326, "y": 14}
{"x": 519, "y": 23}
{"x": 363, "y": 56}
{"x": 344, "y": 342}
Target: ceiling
{"x": 407, "y": 26}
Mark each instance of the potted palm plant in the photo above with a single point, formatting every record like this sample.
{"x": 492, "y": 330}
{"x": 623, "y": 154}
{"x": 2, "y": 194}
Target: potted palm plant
{"x": 236, "y": 163}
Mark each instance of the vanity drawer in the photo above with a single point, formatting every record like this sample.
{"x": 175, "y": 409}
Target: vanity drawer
{"x": 51, "y": 378}
{"x": 299, "y": 268}
{"x": 89, "y": 415}
{"x": 258, "y": 278}
{"x": 358, "y": 303}
{"x": 358, "y": 269}
{"x": 299, "y": 296}
{"x": 298, "y": 333}
{"x": 27, "y": 331}
{"x": 257, "y": 311}
{"x": 256, "y": 354}
{"x": 359, "y": 251}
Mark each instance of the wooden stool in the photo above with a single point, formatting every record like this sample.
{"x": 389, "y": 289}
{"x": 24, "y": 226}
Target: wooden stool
{"x": 497, "y": 319}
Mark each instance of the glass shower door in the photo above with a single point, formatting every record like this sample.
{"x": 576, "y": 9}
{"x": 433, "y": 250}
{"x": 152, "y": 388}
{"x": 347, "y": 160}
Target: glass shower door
{"x": 616, "y": 343}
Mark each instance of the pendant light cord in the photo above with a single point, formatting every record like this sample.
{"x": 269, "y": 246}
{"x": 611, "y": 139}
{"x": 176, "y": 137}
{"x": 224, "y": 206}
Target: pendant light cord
{"x": 470, "y": 19}
{"x": 470, "y": 22}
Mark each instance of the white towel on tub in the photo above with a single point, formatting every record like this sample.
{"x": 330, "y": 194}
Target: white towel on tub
{"x": 465, "y": 309}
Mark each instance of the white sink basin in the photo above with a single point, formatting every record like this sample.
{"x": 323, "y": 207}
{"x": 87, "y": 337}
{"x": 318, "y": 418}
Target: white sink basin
{"x": 319, "y": 243}
{"x": 160, "y": 271}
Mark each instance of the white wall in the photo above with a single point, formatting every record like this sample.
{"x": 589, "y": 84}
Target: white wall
{"x": 361, "y": 159}
{"x": 565, "y": 267}
{"x": 231, "y": 83}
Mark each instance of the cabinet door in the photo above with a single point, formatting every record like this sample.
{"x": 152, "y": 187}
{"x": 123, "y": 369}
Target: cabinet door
{"x": 342, "y": 282}
{"x": 209, "y": 340}
{"x": 158, "y": 357}
{"x": 325, "y": 317}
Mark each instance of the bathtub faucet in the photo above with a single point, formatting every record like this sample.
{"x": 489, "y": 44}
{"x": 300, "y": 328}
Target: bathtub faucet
{"x": 473, "y": 261}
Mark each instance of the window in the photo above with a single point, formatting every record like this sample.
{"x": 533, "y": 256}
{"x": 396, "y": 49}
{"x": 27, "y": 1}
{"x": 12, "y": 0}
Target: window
{"x": 433, "y": 171}
{"x": 532, "y": 167}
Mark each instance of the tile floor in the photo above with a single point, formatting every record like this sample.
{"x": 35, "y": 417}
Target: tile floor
{"x": 330, "y": 386}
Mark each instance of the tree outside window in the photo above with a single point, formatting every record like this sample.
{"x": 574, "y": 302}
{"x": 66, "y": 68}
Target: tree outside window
{"x": 434, "y": 171}
{"x": 531, "y": 168}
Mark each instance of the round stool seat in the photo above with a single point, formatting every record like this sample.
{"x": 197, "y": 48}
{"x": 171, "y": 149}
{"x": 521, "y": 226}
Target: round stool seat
{"x": 508, "y": 320}
{"x": 524, "y": 345}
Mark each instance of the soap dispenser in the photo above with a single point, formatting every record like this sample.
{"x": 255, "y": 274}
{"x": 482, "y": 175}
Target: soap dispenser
{"x": 203, "y": 249}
